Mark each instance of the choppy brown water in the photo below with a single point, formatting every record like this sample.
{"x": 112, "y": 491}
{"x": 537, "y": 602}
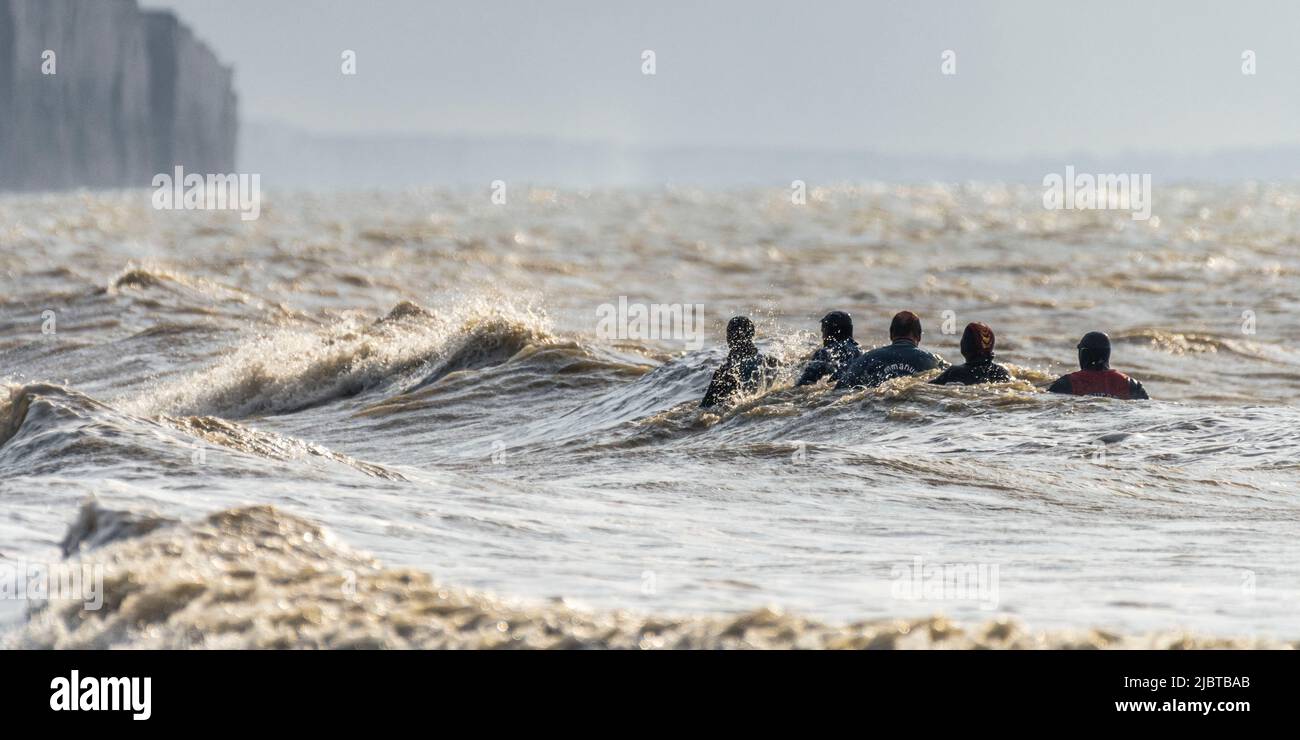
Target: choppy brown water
{"x": 423, "y": 373}
{"x": 258, "y": 578}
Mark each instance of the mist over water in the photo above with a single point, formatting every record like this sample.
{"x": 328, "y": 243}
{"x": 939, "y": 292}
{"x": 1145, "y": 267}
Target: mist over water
{"x": 421, "y": 373}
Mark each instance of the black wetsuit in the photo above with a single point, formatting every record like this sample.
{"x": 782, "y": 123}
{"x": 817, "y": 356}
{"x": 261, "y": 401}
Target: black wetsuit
{"x": 974, "y": 373}
{"x": 895, "y": 360}
{"x": 1100, "y": 382}
{"x": 742, "y": 371}
{"x": 830, "y": 360}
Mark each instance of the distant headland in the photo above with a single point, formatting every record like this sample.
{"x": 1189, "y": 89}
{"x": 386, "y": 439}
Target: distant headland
{"x": 103, "y": 94}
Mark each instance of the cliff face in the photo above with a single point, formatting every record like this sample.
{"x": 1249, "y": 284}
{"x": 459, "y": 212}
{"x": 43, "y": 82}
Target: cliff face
{"x": 134, "y": 94}
{"x": 192, "y": 98}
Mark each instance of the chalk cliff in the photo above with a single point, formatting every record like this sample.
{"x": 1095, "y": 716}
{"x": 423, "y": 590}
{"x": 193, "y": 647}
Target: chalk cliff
{"x": 133, "y": 93}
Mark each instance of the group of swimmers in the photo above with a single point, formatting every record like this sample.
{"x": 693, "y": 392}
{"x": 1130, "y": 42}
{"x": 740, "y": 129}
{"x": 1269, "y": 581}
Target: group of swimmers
{"x": 842, "y": 361}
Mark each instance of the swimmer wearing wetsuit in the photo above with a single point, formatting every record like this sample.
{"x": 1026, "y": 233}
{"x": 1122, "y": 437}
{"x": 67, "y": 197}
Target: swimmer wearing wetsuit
{"x": 837, "y": 352}
{"x": 743, "y": 370}
{"x": 977, "y": 347}
{"x": 902, "y": 357}
{"x": 1095, "y": 378}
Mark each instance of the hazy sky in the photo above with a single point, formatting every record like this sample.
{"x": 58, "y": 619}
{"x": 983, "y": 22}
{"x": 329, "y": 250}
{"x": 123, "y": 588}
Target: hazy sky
{"x": 1033, "y": 77}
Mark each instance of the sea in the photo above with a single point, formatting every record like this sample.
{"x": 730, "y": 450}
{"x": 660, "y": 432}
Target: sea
{"x": 439, "y": 418}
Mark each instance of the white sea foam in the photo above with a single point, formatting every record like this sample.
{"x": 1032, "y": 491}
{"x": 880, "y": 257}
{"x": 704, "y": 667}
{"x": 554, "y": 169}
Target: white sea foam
{"x": 424, "y": 374}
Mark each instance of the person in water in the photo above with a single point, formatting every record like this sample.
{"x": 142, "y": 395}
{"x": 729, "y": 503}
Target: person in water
{"x": 1095, "y": 378}
{"x": 977, "y": 347}
{"x": 838, "y": 350}
{"x": 743, "y": 370}
{"x": 902, "y": 357}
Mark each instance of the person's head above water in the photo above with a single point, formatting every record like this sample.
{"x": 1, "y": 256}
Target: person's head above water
{"x": 906, "y": 325}
{"x": 1094, "y": 351}
{"x": 837, "y": 326}
{"x": 977, "y": 342}
{"x": 740, "y": 332}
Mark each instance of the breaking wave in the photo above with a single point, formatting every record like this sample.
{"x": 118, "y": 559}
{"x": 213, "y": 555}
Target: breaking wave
{"x": 297, "y": 369}
{"x": 1180, "y": 343}
{"x": 196, "y": 368}
{"x": 63, "y": 429}
{"x": 258, "y": 577}
{"x": 13, "y": 410}
{"x": 231, "y": 435}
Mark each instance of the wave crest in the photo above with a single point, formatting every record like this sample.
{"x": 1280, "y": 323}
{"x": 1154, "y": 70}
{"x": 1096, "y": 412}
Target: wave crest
{"x": 96, "y": 526}
{"x": 14, "y": 401}
{"x": 296, "y": 369}
{"x": 258, "y": 577}
{"x": 270, "y": 445}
